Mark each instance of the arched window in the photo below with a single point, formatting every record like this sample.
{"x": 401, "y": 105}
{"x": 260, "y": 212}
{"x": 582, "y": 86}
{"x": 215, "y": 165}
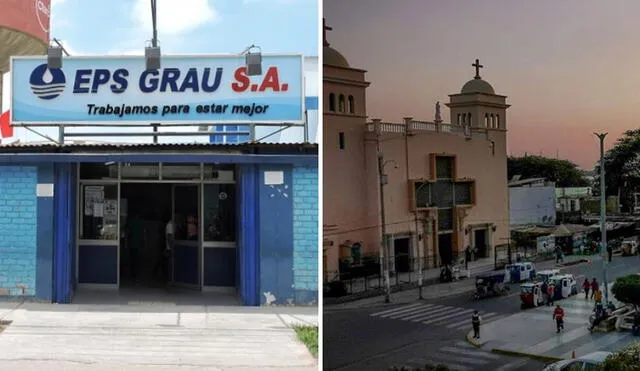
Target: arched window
{"x": 332, "y": 102}
{"x": 341, "y": 103}
{"x": 459, "y": 119}
{"x": 469, "y": 121}
{"x": 486, "y": 120}
{"x": 497, "y": 121}
{"x": 350, "y": 104}
{"x": 493, "y": 121}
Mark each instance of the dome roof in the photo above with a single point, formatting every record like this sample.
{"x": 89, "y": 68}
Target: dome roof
{"x": 333, "y": 57}
{"x": 477, "y": 85}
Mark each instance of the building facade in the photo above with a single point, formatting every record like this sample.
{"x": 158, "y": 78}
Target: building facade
{"x": 245, "y": 219}
{"x": 444, "y": 184}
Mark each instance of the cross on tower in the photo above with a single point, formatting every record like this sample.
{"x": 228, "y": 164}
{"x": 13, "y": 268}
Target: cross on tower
{"x": 324, "y": 32}
{"x": 478, "y": 66}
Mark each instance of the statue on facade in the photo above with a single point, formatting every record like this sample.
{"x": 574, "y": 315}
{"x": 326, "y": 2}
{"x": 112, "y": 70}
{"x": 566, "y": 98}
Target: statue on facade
{"x": 438, "y": 116}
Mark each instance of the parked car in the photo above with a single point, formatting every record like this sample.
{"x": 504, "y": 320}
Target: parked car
{"x": 588, "y": 362}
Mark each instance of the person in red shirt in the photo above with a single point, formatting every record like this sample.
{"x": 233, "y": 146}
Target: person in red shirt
{"x": 558, "y": 315}
{"x": 586, "y": 285}
{"x": 551, "y": 292}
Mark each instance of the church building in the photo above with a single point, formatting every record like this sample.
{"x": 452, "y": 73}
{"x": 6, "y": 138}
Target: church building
{"x": 431, "y": 188}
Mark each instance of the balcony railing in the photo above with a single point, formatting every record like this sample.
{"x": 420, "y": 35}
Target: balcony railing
{"x": 424, "y": 126}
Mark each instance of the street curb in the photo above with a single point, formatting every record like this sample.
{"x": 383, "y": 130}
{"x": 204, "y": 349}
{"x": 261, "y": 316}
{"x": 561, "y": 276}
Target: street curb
{"x": 575, "y": 263}
{"x": 332, "y": 301}
{"x": 470, "y": 340}
{"x": 538, "y": 357}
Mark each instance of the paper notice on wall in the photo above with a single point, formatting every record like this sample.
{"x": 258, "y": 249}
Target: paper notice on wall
{"x": 98, "y": 210}
{"x": 110, "y": 211}
{"x": 92, "y": 196}
{"x": 273, "y": 177}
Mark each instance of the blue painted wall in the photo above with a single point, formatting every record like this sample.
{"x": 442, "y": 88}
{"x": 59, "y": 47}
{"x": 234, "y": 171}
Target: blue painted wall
{"x": 276, "y": 237}
{"x": 45, "y": 239}
{"x": 18, "y": 229}
{"x": 305, "y": 234}
{"x": 98, "y": 264}
{"x": 248, "y": 249}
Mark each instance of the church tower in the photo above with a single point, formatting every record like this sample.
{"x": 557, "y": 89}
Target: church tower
{"x": 479, "y": 106}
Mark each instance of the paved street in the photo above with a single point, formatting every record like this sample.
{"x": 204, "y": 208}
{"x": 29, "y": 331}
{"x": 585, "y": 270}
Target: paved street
{"x": 412, "y": 333}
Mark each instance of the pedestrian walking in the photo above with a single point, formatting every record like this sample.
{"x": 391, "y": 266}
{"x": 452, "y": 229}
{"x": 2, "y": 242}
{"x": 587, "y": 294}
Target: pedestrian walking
{"x": 586, "y": 286}
{"x": 594, "y": 287}
{"x": 598, "y": 297}
{"x": 551, "y": 292}
{"x": 558, "y": 315}
{"x": 475, "y": 322}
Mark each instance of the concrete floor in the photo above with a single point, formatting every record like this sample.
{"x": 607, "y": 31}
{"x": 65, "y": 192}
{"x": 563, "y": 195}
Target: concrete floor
{"x": 154, "y": 296}
{"x": 134, "y": 329}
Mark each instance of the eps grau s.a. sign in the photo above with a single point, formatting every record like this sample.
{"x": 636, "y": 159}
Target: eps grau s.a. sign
{"x": 190, "y": 89}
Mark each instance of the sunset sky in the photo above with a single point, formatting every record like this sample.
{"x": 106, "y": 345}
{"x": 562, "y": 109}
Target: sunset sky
{"x": 569, "y": 68}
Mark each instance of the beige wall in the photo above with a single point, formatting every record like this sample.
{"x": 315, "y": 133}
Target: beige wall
{"x": 474, "y": 160}
{"x": 345, "y": 198}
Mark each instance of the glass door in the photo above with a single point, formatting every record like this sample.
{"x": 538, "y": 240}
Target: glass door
{"x": 187, "y": 247}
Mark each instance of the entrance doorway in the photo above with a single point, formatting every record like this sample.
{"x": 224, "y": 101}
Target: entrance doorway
{"x": 445, "y": 248}
{"x": 145, "y": 208}
{"x": 480, "y": 239}
{"x": 401, "y": 253}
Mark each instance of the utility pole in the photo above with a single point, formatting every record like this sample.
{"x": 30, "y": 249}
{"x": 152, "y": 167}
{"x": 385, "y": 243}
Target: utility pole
{"x": 384, "y": 256}
{"x": 603, "y": 218}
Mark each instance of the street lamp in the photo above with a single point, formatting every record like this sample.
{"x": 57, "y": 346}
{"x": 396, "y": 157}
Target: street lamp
{"x": 152, "y": 53}
{"x": 603, "y": 218}
{"x": 253, "y": 60}
{"x": 384, "y": 247}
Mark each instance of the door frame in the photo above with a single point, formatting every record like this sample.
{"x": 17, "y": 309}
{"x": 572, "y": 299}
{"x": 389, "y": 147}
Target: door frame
{"x": 200, "y": 263}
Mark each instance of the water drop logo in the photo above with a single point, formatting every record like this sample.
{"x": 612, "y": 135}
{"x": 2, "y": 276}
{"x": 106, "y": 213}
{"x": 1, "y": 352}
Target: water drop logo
{"x": 47, "y": 83}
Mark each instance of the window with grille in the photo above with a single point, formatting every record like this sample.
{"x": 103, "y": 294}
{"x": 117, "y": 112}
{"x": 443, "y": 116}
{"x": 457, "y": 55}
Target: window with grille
{"x": 445, "y": 219}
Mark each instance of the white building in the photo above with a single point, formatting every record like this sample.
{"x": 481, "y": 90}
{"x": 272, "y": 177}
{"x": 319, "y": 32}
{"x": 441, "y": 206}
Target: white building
{"x": 532, "y": 201}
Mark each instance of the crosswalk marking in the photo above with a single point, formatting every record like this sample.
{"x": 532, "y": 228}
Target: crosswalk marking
{"x": 462, "y": 356}
{"x": 416, "y": 313}
{"x": 467, "y": 322}
{"x": 395, "y": 309}
{"x": 435, "y": 315}
{"x": 448, "y": 314}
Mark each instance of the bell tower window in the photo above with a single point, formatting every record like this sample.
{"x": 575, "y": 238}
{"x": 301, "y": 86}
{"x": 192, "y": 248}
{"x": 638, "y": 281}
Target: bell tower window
{"x": 341, "y": 103}
{"x": 350, "y": 104}
{"x": 332, "y": 102}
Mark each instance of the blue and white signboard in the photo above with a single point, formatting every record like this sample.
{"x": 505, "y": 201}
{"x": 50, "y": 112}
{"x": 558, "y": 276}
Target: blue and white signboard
{"x": 189, "y": 89}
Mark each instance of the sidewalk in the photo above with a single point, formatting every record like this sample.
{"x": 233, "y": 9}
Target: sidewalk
{"x": 532, "y": 333}
{"x": 435, "y": 290}
{"x": 144, "y": 337}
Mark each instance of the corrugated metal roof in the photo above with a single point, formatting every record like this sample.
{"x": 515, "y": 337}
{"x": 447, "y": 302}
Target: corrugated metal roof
{"x": 160, "y": 145}
{"x": 72, "y": 147}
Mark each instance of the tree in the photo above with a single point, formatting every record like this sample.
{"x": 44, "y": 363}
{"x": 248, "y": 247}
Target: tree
{"x": 627, "y": 359}
{"x": 622, "y": 174}
{"x": 627, "y": 289}
{"x": 563, "y": 172}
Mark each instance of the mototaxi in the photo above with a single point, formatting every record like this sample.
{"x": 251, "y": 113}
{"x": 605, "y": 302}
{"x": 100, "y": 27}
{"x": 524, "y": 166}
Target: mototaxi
{"x": 519, "y": 272}
{"x": 565, "y": 286}
{"x": 491, "y": 284}
{"x": 544, "y": 275}
{"x": 531, "y": 295}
